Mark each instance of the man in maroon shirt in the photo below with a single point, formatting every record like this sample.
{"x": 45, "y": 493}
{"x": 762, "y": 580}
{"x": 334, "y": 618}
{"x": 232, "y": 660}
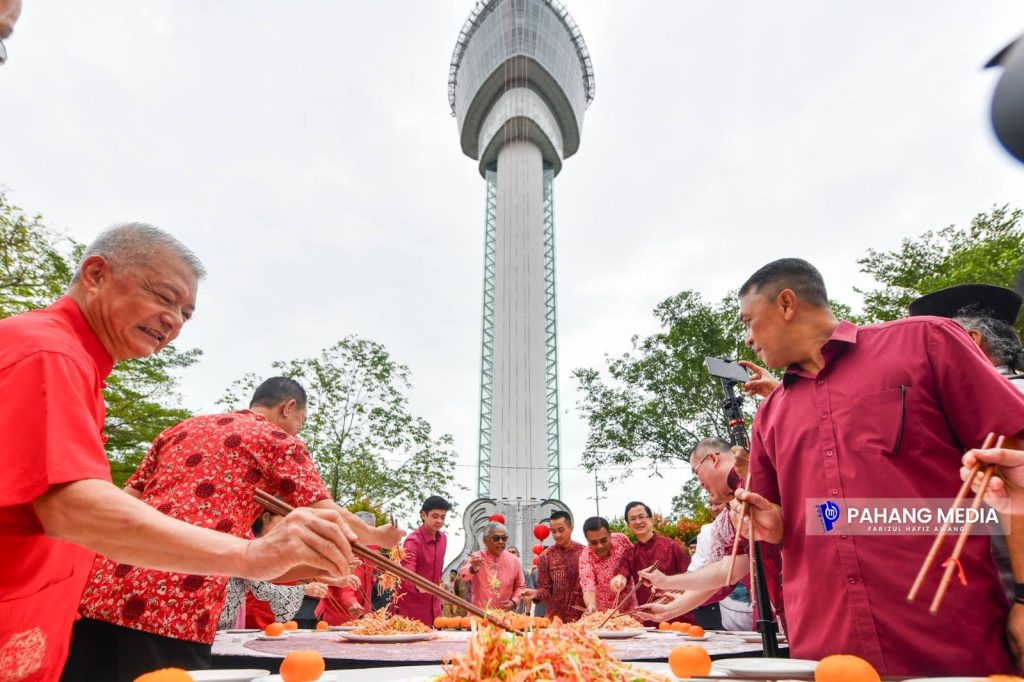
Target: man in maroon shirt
{"x": 558, "y": 572}
{"x": 424, "y": 555}
{"x": 671, "y": 556}
{"x": 881, "y": 411}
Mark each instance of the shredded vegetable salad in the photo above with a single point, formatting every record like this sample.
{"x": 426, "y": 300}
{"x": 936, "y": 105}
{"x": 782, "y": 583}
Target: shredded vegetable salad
{"x": 380, "y": 623}
{"x": 561, "y": 652}
{"x": 618, "y": 622}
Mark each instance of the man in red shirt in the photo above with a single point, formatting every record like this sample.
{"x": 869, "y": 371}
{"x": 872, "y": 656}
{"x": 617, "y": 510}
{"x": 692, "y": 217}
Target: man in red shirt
{"x": 355, "y": 601}
{"x": 424, "y": 554}
{"x": 135, "y": 288}
{"x": 880, "y": 411}
{"x": 558, "y": 572}
{"x": 671, "y": 556}
{"x": 604, "y": 566}
{"x": 203, "y": 471}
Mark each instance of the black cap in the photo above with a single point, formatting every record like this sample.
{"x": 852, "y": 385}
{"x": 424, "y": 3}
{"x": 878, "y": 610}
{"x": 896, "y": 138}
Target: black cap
{"x": 997, "y": 302}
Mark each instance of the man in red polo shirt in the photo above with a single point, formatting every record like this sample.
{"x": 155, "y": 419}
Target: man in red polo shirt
{"x": 880, "y": 411}
{"x": 424, "y": 554}
{"x": 135, "y": 288}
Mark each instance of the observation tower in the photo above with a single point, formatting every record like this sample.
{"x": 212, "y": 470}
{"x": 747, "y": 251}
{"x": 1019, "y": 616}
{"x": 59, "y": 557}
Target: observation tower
{"x": 519, "y": 84}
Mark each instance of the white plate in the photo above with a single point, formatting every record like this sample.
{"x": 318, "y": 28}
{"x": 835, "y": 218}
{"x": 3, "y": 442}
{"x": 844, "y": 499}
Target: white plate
{"x": 741, "y": 633}
{"x": 776, "y": 666}
{"x": 226, "y": 675}
{"x": 341, "y": 628}
{"x": 619, "y": 634}
{"x": 703, "y": 638}
{"x": 371, "y": 639}
{"x": 756, "y": 639}
{"x": 239, "y": 631}
{"x": 271, "y": 637}
{"x": 326, "y": 677}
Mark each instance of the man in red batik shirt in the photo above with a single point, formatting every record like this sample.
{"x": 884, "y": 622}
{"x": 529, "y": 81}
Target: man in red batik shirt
{"x": 133, "y": 291}
{"x": 879, "y": 411}
{"x": 604, "y": 566}
{"x": 424, "y": 555}
{"x": 356, "y": 601}
{"x": 558, "y": 572}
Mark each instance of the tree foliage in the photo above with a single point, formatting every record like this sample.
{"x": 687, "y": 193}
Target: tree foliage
{"x": 36, "y": 266}
{"x": 988, "y": 251}
{"x": 681, "y": 530}
{"x": 364, "y": 440}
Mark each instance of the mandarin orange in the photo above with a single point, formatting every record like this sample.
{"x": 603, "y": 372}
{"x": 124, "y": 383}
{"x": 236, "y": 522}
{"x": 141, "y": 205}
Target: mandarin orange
{"x": 274, "y": 630}
{"x": 689, "y": 661}
{"x": 322, "y": 625}
{"x": 165, "y": 675}
{"x": 302, "y": 666}
{"x": 696, "y": 631}
{"x": 291, "y": 625}
{"x": 845, "y": 668}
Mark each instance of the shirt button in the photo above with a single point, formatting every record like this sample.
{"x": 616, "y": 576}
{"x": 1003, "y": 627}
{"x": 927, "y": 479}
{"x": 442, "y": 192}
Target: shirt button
{"x": 824, "y": 415}
{"x": 828, "y": 453}
{"x": 835, "y": 491}
{"x": 852, "y": 581}
{"x": 843, "y": 535}
{"x": 821, "y": 381}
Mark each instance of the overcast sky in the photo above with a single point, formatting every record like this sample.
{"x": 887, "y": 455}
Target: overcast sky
{"x": 306, "y": 152}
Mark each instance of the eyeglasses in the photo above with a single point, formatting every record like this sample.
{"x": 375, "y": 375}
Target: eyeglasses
{"x": 701, "y": 463}
{"x": 641, "y": 517}
{"x": 3, "y": 52}
{"x": 498, "y": 538}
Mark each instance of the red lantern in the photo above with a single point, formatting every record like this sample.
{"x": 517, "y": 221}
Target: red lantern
{"x": 541, "y": 532}
{"x": 538, "y": 549}
{"x": 536, "y": 561}
{"x": 497, "y": 518}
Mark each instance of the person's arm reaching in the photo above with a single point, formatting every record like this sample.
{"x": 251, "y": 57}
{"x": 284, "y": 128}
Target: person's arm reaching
{"x": 97, "y": 515}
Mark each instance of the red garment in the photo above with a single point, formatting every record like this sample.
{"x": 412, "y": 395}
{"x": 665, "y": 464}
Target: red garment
{"x": 258, "y": 613}
{"x": 596, "y": 572}
{"x": 671, "y": 557}
{"x": 833, "y": 436}
{"x": 347, "y": 597}
{"x": 497, "y": 580}
{"x": 425, "y": 557}
{"x": 52, "y": 368}
{"x": 202, "y": 471}
{"x": 558, "y": 582}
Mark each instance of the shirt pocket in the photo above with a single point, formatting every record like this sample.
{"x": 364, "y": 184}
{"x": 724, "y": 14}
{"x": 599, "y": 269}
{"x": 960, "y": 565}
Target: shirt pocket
{"x": 878, "y": 421}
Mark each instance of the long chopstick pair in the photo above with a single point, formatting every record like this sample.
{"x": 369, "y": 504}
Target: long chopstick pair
{"x": 954, "y": 558}
{"x": 736, "y": 540}
{"x": 629, "y": 594}
{"x": 281, "y": 508}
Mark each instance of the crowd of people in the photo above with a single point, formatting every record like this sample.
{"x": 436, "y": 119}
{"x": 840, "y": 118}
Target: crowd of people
{"x": 103, "y": 583}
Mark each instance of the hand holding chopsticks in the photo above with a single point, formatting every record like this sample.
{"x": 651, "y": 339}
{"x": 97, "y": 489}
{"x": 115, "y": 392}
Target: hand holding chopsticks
{"x": 954, "y": 560}
{"x": 281, "y": 508}
{"x": 623, "y": 600}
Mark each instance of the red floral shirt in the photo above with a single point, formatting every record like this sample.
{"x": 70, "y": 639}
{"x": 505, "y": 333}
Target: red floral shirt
{"x": 202, "y": 471}
{"x": 597, "y": 572}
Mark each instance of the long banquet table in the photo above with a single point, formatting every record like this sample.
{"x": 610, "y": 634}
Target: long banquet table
{"x": 245, "y": 650}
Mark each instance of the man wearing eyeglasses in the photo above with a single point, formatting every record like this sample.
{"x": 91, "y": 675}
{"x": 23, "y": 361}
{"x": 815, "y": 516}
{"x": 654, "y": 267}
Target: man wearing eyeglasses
{"x": 496, "y": 575}
{"x": 671, "y": 556}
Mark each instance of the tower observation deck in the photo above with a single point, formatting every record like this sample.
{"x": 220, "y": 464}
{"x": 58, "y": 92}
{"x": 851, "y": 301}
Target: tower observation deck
{"x": 519, "y": 84}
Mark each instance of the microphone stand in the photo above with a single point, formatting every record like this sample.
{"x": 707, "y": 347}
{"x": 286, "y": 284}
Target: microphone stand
{"x": 766, "y": 625}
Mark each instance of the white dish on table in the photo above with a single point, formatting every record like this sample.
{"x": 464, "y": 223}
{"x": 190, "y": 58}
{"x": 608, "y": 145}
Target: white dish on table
{"x": 271, "y": 637}
{"x": 702, "y": 638}
{"x": 775, "y": 666}
{"x": 618, "y": 634}
{"x": 341, "y": 628}
{"x": 239, "y": 631}
{"x": 384, "y": 639}
{"x": 226, "y": 675}
{"x": 326, "y": 677}
{"x": 741, "y": 633}
{"x": 756, "y": 639}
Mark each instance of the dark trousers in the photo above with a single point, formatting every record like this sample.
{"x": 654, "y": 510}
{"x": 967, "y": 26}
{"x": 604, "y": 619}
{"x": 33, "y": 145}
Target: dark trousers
{"x": 102, "y": 651}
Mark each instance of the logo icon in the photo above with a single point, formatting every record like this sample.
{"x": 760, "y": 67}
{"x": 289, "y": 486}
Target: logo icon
{"x": 828, "y": 514}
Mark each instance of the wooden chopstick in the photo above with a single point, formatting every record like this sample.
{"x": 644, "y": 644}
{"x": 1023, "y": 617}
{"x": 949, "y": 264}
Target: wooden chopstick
{"x": 276, "y": 506}
{"x": 629, "y": 594}
{"x": 934, "y": 551}
{"x": 736, "y": 540}
{"x": 954, "y": 558}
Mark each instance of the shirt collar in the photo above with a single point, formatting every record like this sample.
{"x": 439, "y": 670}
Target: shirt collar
{"x": 66, "y": 308}
{"x": 843, "y": 336}
{"x": 422, "y": 530}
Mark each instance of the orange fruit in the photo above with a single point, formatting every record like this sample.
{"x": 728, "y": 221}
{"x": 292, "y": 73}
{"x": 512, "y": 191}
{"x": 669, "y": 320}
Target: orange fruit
{"x": 1005, "y": 678}
{"x": 165, "y": 675}
{"x": 844, "y": 668}
{"x": 322, "y": 625}
{"x": 680, "y": 627}
{"x": 302, "y": 666}
{"x": 440, "y": 622}
{"x": 663, "y": 626}
{"x": 274, "y": 630}
{"x": 696, "y": 631}
{"x": 689, "y": 661}
{"x": 291, "y": 625}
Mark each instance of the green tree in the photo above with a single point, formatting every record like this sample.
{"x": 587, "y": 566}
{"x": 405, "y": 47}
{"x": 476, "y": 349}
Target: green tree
{"x": 36, "y": 266}
{"x": 989, "y": 251}
{"x": 359, "y": 430}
